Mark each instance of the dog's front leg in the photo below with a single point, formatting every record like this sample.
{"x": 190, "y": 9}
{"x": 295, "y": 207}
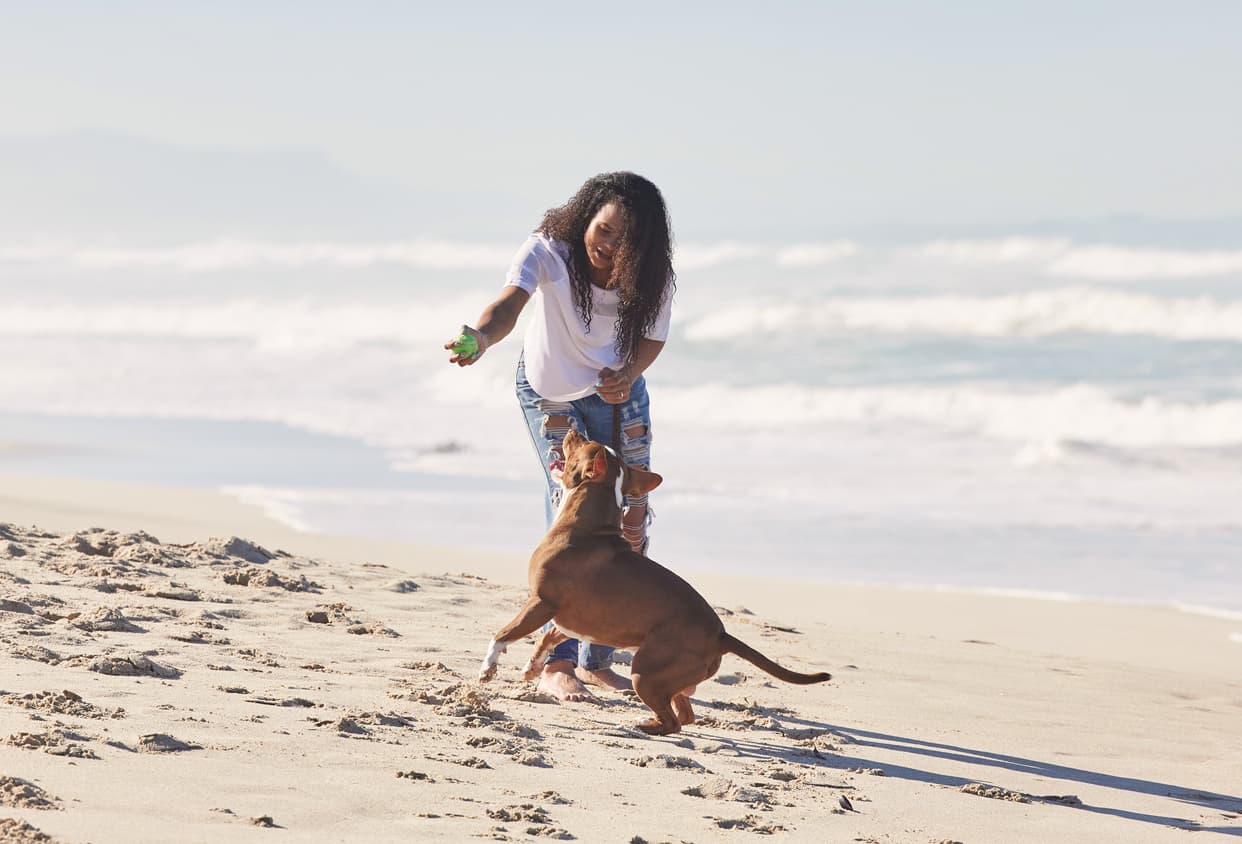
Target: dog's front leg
{"x": 530, "y": 618}
{"x": 488, "y": 669}
{"x": 551, "y": 637}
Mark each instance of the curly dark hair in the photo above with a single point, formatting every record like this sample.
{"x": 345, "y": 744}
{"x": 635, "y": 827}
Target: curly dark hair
{"x": 643, "y": 263}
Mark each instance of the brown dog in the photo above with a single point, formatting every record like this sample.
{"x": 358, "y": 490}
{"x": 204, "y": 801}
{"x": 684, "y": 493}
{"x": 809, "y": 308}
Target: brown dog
{"x": 585, "y": 579}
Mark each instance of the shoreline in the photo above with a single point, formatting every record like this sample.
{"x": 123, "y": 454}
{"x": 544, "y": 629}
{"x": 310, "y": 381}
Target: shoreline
{"x": 1026, "y": 617}
{"x": 339, "y": 487}
{"x": 187, "y": 514}
{"x": 183, "y": 514}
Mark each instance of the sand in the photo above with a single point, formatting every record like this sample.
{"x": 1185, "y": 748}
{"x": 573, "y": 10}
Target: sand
{"x": 190, "y": 671}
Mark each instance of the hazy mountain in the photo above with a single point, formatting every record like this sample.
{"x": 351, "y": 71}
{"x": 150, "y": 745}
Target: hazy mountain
{"x": 97, "y": 183}
{"x": 105, "y": 185}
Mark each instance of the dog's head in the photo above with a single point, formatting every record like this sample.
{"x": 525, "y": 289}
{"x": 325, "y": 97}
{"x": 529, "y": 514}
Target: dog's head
{"x": 589, "y": 462}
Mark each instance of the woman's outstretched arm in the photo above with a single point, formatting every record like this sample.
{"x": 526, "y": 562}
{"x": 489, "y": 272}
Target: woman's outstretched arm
{"x": 495, "y": 323}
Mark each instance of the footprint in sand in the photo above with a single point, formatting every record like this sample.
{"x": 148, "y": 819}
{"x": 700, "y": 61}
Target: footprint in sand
{"x": 267, "y": 579}
{"x": 418, "y": 776}
{"x": 256, "y": 655}
{"x": 164, "y": 743}
{"x": 237, "y": 547}
{"x": 467, "y": 762}
{"x": 529, "y": 813}
{"x": 750, "y": 823}
{"x": 338, "y": 613}
{"x": 663, "y": 760}
{"x": 198, "y": 637}
{"x": 288, "y": 701}
{"x": 136, "y": 665}
{"x": 20, "y": 832}
{"x": 60, "y": 703}
{"x": 523, "y": 752}
{"x": 55, "y": 742}
{"x": 22, "y": 794}
{"x": 721, "y": 788}
{"x": 104, "y": 620}
{"x": 425, "y": 665}
{"x": 261, "y": 820}
{"x": 359, "y": 725}
{"x": 375, "y": 628}
{"x": 35, "y": 653}
{"x": 173, "y": 592}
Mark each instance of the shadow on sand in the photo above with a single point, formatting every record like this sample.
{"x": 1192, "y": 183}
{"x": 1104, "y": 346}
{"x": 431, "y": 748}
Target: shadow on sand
{"x": 852, "y": 753}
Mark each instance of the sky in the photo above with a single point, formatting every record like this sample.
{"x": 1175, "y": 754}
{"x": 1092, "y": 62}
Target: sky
{"x": 808, "y": 118}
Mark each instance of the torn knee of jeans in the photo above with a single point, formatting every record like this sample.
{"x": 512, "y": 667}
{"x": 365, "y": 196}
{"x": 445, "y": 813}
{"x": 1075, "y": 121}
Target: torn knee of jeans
{"x": 553, "y": 428}
{"x": 635, "y": 431}
{"x": 636, "y": 453}
{"x": 556, "y": 425}
{"x": 556, "y": 462}
{"x": 636, "y": 438}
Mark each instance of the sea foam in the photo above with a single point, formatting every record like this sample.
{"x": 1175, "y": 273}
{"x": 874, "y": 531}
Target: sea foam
{"x": 1053, "y": 257}
{"x": 1035, "y": 314}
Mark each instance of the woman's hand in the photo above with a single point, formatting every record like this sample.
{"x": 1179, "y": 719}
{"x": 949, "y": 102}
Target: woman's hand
{"x": 463, "y": 358}
{"x": 613, "y": 386}
{"x": 495, "y": 323}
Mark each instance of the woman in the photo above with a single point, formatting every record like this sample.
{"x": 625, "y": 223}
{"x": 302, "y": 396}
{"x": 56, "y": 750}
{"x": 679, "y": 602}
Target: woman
{"x": 599, "y": 269}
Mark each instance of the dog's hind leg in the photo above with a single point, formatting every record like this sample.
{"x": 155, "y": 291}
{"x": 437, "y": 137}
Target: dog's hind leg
{"x": 530, "y": 618}
{"x": 681, "y": 706}
{"x": 551, "y": 637}
{"x": 665, "y": 721}
{"x": 654, "y": 671}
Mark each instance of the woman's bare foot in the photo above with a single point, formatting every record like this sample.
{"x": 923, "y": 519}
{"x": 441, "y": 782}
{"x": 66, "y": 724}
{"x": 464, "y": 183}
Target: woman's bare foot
{"x": 605, "y": 677}
{"x": 559, "y": 680}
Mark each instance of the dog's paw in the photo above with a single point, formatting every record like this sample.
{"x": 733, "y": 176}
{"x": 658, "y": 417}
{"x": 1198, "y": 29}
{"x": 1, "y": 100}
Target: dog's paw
{"x": 531, "y": 672}
{"x": 486, "y": 673}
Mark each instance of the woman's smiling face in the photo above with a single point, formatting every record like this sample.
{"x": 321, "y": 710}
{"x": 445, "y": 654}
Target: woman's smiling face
{"x": 603, "y": 236}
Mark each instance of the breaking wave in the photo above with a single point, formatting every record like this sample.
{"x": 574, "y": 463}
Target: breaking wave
{"x": 1053, "y": 257}
{"x": 1068, "y": 310}
{"x": 1078, "y": 413}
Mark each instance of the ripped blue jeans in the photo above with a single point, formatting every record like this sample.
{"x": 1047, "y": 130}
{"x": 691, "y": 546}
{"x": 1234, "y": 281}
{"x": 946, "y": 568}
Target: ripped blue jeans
{"x": 548, "y": 421}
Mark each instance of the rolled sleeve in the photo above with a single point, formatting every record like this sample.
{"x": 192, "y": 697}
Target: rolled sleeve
{"x": 529, "y": 265}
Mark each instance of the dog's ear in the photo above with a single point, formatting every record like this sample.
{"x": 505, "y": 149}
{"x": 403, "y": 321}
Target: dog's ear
{"x": 599, "y": 466}
{"x": 638, "y": 482}
{"x": 572, "y": 442}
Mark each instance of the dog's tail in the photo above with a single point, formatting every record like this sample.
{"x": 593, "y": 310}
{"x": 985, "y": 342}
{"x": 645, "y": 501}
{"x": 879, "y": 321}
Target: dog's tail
{"x": 732, "y": 645}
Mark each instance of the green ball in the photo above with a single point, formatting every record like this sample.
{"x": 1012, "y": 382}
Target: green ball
{"x": 466, "y": 345}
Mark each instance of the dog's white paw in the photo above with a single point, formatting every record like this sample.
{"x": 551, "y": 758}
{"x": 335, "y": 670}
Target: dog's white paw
{"x": 488, "y": 669}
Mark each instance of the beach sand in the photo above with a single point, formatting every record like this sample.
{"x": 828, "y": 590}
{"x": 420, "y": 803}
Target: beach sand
{"x": 175, "y": 667}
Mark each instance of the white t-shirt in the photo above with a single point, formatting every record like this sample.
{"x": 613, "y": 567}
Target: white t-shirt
{"x": 562, "y": 360}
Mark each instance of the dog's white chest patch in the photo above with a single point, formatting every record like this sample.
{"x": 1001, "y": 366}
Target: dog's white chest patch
{"x": 620, "y": 476}
{"x": 565, "y": 498}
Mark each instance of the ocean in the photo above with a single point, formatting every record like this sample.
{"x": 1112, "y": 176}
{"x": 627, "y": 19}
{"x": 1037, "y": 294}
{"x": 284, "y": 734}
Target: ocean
{"x": 1021, "y": 414}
